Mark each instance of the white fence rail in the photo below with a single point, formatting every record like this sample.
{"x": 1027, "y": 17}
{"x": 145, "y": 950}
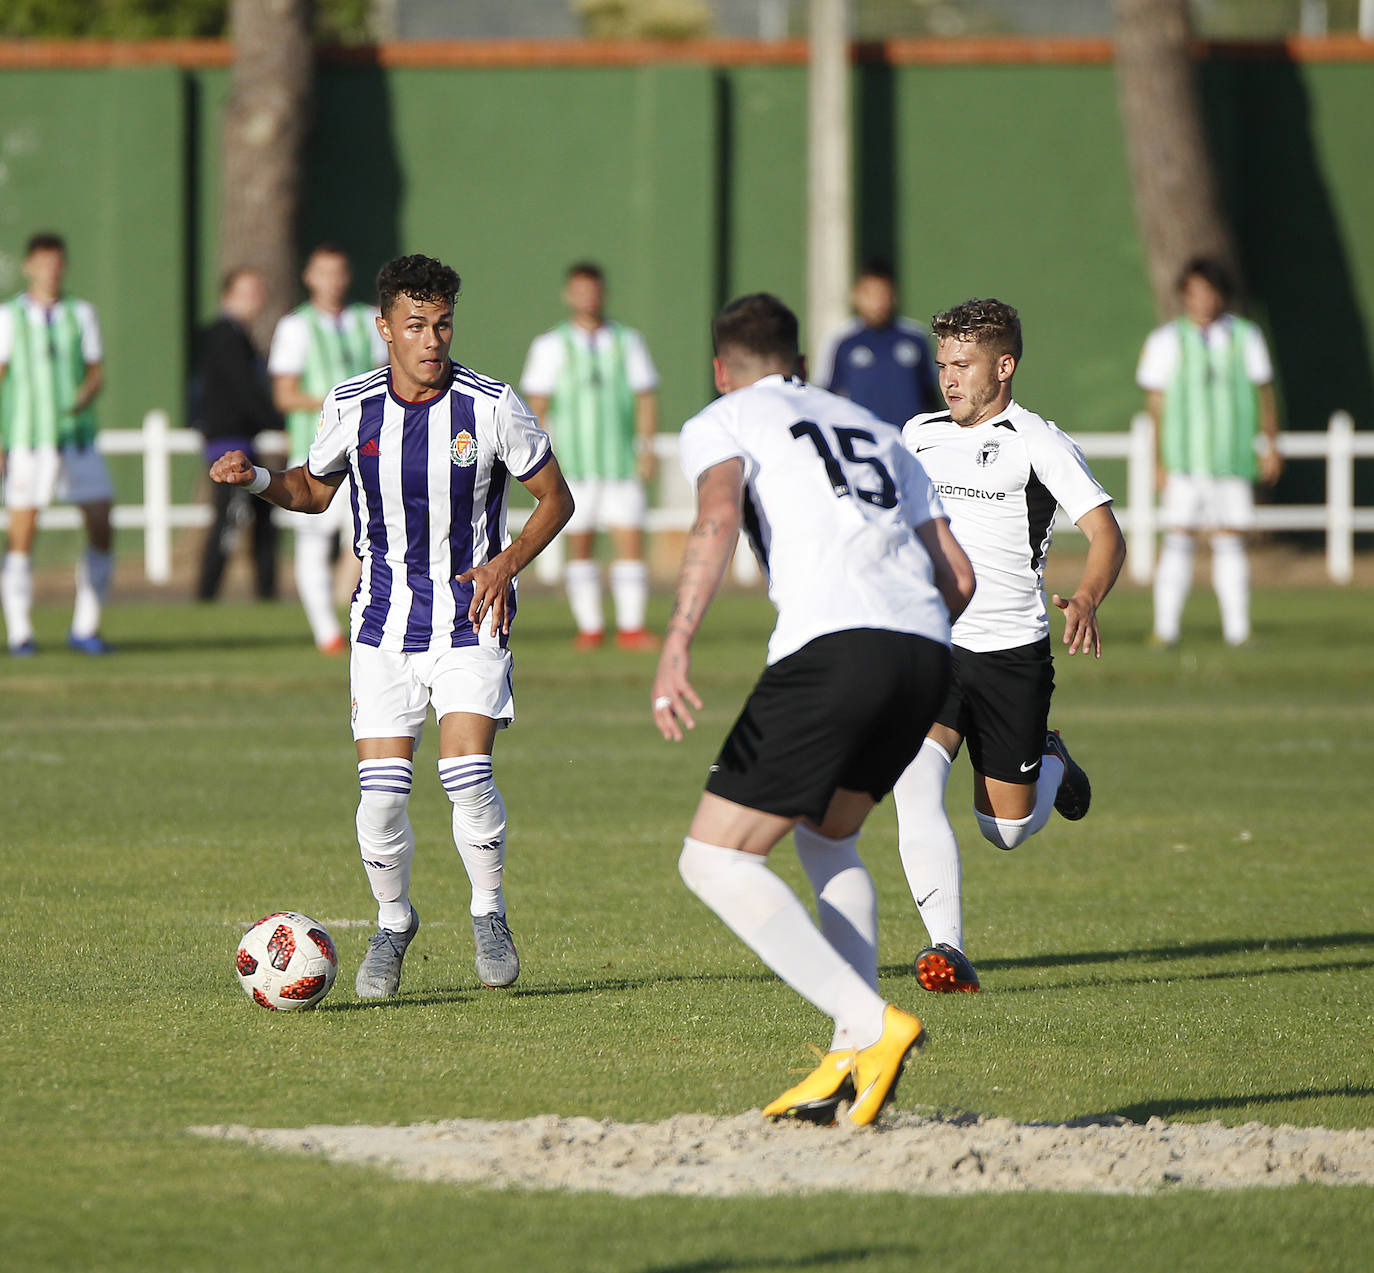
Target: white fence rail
{"x": 1339, "y": 445}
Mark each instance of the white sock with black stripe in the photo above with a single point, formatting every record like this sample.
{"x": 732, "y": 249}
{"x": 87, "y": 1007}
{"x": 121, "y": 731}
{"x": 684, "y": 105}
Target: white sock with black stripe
{"x": 479, "y": 827}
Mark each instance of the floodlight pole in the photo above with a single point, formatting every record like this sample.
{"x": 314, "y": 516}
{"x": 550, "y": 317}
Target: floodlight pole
{"x": 829, "y": 228}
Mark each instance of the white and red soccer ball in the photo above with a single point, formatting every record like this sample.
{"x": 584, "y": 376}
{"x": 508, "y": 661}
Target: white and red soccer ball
{"x": 286, "y": 962}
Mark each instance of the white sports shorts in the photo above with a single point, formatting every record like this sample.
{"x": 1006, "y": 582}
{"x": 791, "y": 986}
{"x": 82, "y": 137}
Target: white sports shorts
{"x": 1196, "y": 502}
{"x": 603, "y": 503}
{"x": 39, "y": 476}
{"x": 392, "y": 692}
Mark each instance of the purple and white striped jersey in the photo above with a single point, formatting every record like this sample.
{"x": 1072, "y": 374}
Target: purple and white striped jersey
{"x": 428, "y": 484}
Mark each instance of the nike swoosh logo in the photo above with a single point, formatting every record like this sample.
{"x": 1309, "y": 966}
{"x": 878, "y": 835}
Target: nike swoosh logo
{"x": 919, "y": 449}
{"x": 921, "y": 901}
{"x": 863, "y": 1096}
{"x": 1025, "y": 769}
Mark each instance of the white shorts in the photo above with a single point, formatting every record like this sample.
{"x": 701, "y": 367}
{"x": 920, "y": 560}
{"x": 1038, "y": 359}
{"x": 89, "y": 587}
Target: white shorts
{"x": 1196, "y": 502}
{"x": 603, "y": 503}
{"x": 392, "y": 692}
{"x": 39, "y": 476}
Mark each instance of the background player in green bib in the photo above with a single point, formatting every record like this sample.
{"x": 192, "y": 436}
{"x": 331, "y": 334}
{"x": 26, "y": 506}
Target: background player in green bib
{"x": 593, "y": 386}
{"x": 50, "y": 373}
{"x": 315, "y": 347}
{"x": 1209, "y": 387}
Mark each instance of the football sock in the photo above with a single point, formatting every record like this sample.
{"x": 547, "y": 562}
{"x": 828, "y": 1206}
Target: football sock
{"x": 16, "y": 597}
{"x": 93, "y": 571}
{"x": 846, "y": 902}
{"x": 315, "y": 585}
{"x": 1173, "y": 579}
{"x": 385, "y": 838}
{"x": 479, "y": 827}
{"x": 630, "y": 592}
{"x": 583, "y": 582}
{"x": 928, "y": 846}
{"x": 1231, "y": 579}
{"x": 759, "y": 908}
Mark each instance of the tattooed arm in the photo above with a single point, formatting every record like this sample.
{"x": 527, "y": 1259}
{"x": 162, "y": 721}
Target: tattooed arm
{"x": 709, "y": 545}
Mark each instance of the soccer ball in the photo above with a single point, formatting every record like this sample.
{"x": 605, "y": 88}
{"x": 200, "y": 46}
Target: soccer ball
{"x": 286, "y": 961}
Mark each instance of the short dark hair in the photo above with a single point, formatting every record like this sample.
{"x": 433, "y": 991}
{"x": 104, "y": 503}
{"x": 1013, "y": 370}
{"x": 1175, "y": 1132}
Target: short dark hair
{"x": 1210, "y": 269}
{"x": 45, "y": 241}
{"x": 758, "y": 324}
{"x": 422, "y": 278}
{"x": 878, "y": 267}
{"x": 586, "y": 269}
{"x": 327, "y": 248}
{"x": 988, "y": 322}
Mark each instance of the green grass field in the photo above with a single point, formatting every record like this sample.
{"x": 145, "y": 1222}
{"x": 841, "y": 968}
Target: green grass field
{"x": 1201, "y": 947}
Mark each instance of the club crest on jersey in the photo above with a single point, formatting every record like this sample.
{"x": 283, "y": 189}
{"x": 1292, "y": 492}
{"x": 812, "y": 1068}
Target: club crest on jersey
{"x": 464, "y": 449}
{"x": 987, "y": 453}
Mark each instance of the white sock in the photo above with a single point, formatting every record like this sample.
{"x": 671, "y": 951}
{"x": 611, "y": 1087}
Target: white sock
{"x": 769, "y": 918}
{"x": 1007, "y": 833}
{"x": 928, "y": 846}
{"x": 1173, "y": 579}
{"x": 583, "y": 582}
{"x": 846, "y": 902}
{"x": 630, "y": 592}
{"x": 479, "y": 828}
{"x": 16, "y": 598}
{"x": 315, "y": 585}
{"x": 93, "y": 571}
{"x": 385, "y": 838}
{"x": 1231, "y": 579}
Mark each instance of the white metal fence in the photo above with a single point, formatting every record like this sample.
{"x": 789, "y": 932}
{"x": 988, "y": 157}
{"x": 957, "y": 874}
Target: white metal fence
{"x": 1339, "y": 518}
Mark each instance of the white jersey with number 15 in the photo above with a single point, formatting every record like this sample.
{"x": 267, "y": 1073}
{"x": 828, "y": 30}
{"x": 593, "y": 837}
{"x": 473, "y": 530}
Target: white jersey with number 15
{"x": 831, "y": 499}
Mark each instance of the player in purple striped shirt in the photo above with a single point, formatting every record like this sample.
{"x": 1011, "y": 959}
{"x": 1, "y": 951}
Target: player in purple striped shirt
{"x": 428, "y": 448}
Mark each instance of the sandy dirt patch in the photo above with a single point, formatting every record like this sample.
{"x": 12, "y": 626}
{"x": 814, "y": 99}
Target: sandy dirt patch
{"x": 698, "y": 1155}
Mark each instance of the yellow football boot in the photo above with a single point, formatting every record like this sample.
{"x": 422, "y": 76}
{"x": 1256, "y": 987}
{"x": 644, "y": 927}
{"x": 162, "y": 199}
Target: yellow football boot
{"x": 877, "y": 1068}
{"x": 816, "y": 1098}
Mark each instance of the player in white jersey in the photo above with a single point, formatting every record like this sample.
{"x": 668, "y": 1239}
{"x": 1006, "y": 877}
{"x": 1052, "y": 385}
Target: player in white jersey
{"x": 428, "y": 448}
{"x": 865, "y": 576}
{"x": 1001, "y": 471}
{"x": 314, "y": 347}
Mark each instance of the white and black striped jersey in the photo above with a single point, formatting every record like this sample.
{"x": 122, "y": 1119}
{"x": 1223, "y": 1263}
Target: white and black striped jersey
{"x": 1000, "y": 482}
{"x": 428, "y": 484}
{"x": 830, "y": 502}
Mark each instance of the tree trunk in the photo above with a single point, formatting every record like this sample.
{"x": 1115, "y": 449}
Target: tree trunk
{"x": 265, "y": 127}
{"x": 1177, "y": 198}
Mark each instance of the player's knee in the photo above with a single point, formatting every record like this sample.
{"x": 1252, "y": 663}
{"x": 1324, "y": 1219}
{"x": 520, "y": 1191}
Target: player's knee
{"x": 700, "y": 864}
{"x": 1005, "y": 833}
{"x": 479, "y": 813}
{"x": 384, "y": 793}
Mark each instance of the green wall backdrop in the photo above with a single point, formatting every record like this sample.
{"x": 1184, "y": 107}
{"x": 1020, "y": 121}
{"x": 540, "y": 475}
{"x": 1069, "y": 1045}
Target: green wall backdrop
{"x": 687, "y": 182}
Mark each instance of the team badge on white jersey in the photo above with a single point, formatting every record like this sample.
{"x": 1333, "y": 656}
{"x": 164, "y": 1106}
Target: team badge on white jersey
{"x": 987, "y": 453}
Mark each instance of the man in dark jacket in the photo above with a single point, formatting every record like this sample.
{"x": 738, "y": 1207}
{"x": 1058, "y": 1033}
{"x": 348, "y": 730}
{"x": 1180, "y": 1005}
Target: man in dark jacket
{"x": 235, "y": 405}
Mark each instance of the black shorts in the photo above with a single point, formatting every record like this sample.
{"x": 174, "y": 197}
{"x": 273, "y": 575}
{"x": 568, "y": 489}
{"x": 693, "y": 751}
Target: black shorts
{"x": 999, "y": 701}
{"x": 848, "y": 710}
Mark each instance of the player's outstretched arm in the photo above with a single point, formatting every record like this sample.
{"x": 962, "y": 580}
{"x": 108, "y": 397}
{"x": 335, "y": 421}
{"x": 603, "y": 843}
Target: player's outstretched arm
{"x": 709, "y": 544}
{"x": 296, "y": 489}
{"x": 491, "y": 582}
{"x": 953, "y": 571}
{"x": 1106, "y": 553}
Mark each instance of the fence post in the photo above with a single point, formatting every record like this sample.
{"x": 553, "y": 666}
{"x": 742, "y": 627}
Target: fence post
{"x": 1140, "y": 497}
{"x": 1340, "y": 497}
{"x": 157, "y": 497}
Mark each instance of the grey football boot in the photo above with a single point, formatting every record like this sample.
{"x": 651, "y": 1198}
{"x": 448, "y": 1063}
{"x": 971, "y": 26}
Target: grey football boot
{"x": 497, "y": 963}
{"x": 379, "y": 975}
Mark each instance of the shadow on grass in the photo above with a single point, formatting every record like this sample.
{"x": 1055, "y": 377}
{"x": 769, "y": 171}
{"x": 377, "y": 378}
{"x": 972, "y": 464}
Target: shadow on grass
{"x": 1166, "y": 1107}
{"x": 1192, "y": 950}
{"x": 813, "y": 1260}
{"x": 1232, "y": 974}
{"x": 398, "y": 1001}
{"x": 601, "y": 984}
